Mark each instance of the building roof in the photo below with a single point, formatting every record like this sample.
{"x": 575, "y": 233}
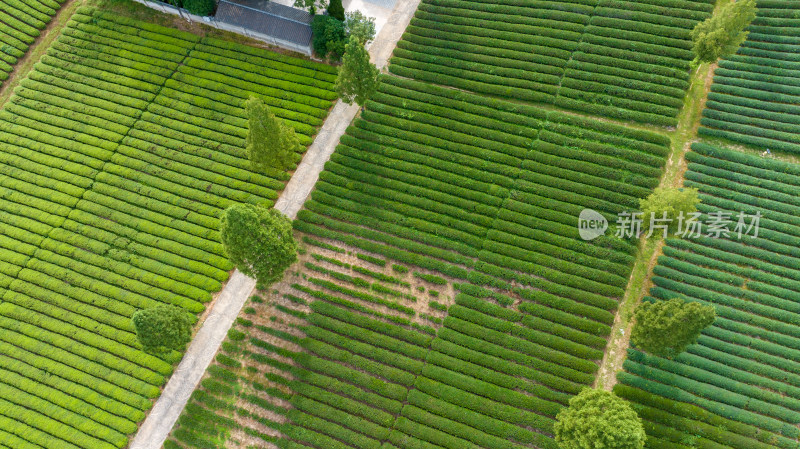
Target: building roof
{"x": 269, "y": 18}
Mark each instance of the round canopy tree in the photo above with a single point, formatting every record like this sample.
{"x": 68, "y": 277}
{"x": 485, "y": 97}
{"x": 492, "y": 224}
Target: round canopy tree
{"x": 258, "y": 241}
{"x": 598, "y": 419}
{"x": 162, "y": 328}
{"x": 672, "y": 203}
{"x": 667, "y": 328}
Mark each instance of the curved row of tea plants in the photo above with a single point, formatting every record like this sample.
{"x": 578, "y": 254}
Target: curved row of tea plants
{"x": 633, "y": 60}
{"x": 119, "y": 152}
{"x": 487, "y": 192}
{"x": 755, "y": 95}
{"x": 623, "y": 59}
{"x": 21, "y": 22}
{"x": 737, "y": 387}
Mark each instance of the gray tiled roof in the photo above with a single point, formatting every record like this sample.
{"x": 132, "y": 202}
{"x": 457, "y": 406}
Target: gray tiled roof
{"x": 270, "y": 18}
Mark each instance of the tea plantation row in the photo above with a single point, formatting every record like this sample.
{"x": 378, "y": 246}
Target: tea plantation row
{"x": 21, "y": 22}
{"x": 487, "y": 193}
{"x": 333, "y": 351}
{"x": 119, "y": 152}
{"x": 627, "y": 60}
{"x": 755, "y": 95}
{"x": 738, "y": 387}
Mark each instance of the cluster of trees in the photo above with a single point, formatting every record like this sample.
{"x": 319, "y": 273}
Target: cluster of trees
{"x": 344, "y": 36}
{"x": 257, "y": 240}
{"x": 331, "y": 32}
{"x": 598, "y": 419}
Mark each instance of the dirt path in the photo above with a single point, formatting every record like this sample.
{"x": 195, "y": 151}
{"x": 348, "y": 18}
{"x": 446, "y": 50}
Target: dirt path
{"x": 640, "y": 281}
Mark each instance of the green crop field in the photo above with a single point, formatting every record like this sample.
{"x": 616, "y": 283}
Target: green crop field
{"x": 627, "y": 60}
{"x": 358, "y": 320}
{"x": 633, "y": 60}
{"x": 479, "y": 198}
{"x": 443, "y": 297}
{"x": 502, "y": 185}
{"x": 755, "y": 95}
{"x": 21, "y": 22}
{"x": 738, "y": 387}
{"x": 119, "y": 152}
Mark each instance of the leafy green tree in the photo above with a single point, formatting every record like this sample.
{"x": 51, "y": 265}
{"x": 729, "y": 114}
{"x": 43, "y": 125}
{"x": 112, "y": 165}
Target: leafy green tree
{"x": 673, "y": 202}
{"x": 329, "y": 37}
{"x": 336, "y": 10}
{"x": 200, "y": 7}
{"x": 598, "y": 419}
{"x": 311, "y": 5}
{"x": 667, "y": 328}
{"x": 721, "y": 34}
{"x": 358, "y": 77}
{"x": 258, "y": 241}
{"x": 270, "y": 142}
{"x": 358, "y": 25}
{"x": 162, "y": 328}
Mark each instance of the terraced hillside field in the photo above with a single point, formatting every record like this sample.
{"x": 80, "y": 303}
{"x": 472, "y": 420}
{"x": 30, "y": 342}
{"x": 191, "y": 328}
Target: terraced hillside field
{"x": 738, "y": 387}
{"x": 755, "y": 95}
{"x": 627, "y": 60}
{"x": 119, "y": 152}
{"x": 21, "y": 22}
{"x": 479, "y": 198}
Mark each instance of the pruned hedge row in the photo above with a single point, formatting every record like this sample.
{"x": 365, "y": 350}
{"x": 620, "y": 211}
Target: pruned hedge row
{"x": 505, "y": 49}
{"x": 627, "y": 60}
{"x": 21, "y": 22}
{"x": 484, "y": 191}
{"x": 126, "y": 169}
{"x": 755, "y": 90}
{"x": 741, "y": 372}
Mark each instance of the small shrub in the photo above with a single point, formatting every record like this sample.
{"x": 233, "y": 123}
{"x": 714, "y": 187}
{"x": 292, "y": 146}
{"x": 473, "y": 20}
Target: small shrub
{"x": 400, "y": 269}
